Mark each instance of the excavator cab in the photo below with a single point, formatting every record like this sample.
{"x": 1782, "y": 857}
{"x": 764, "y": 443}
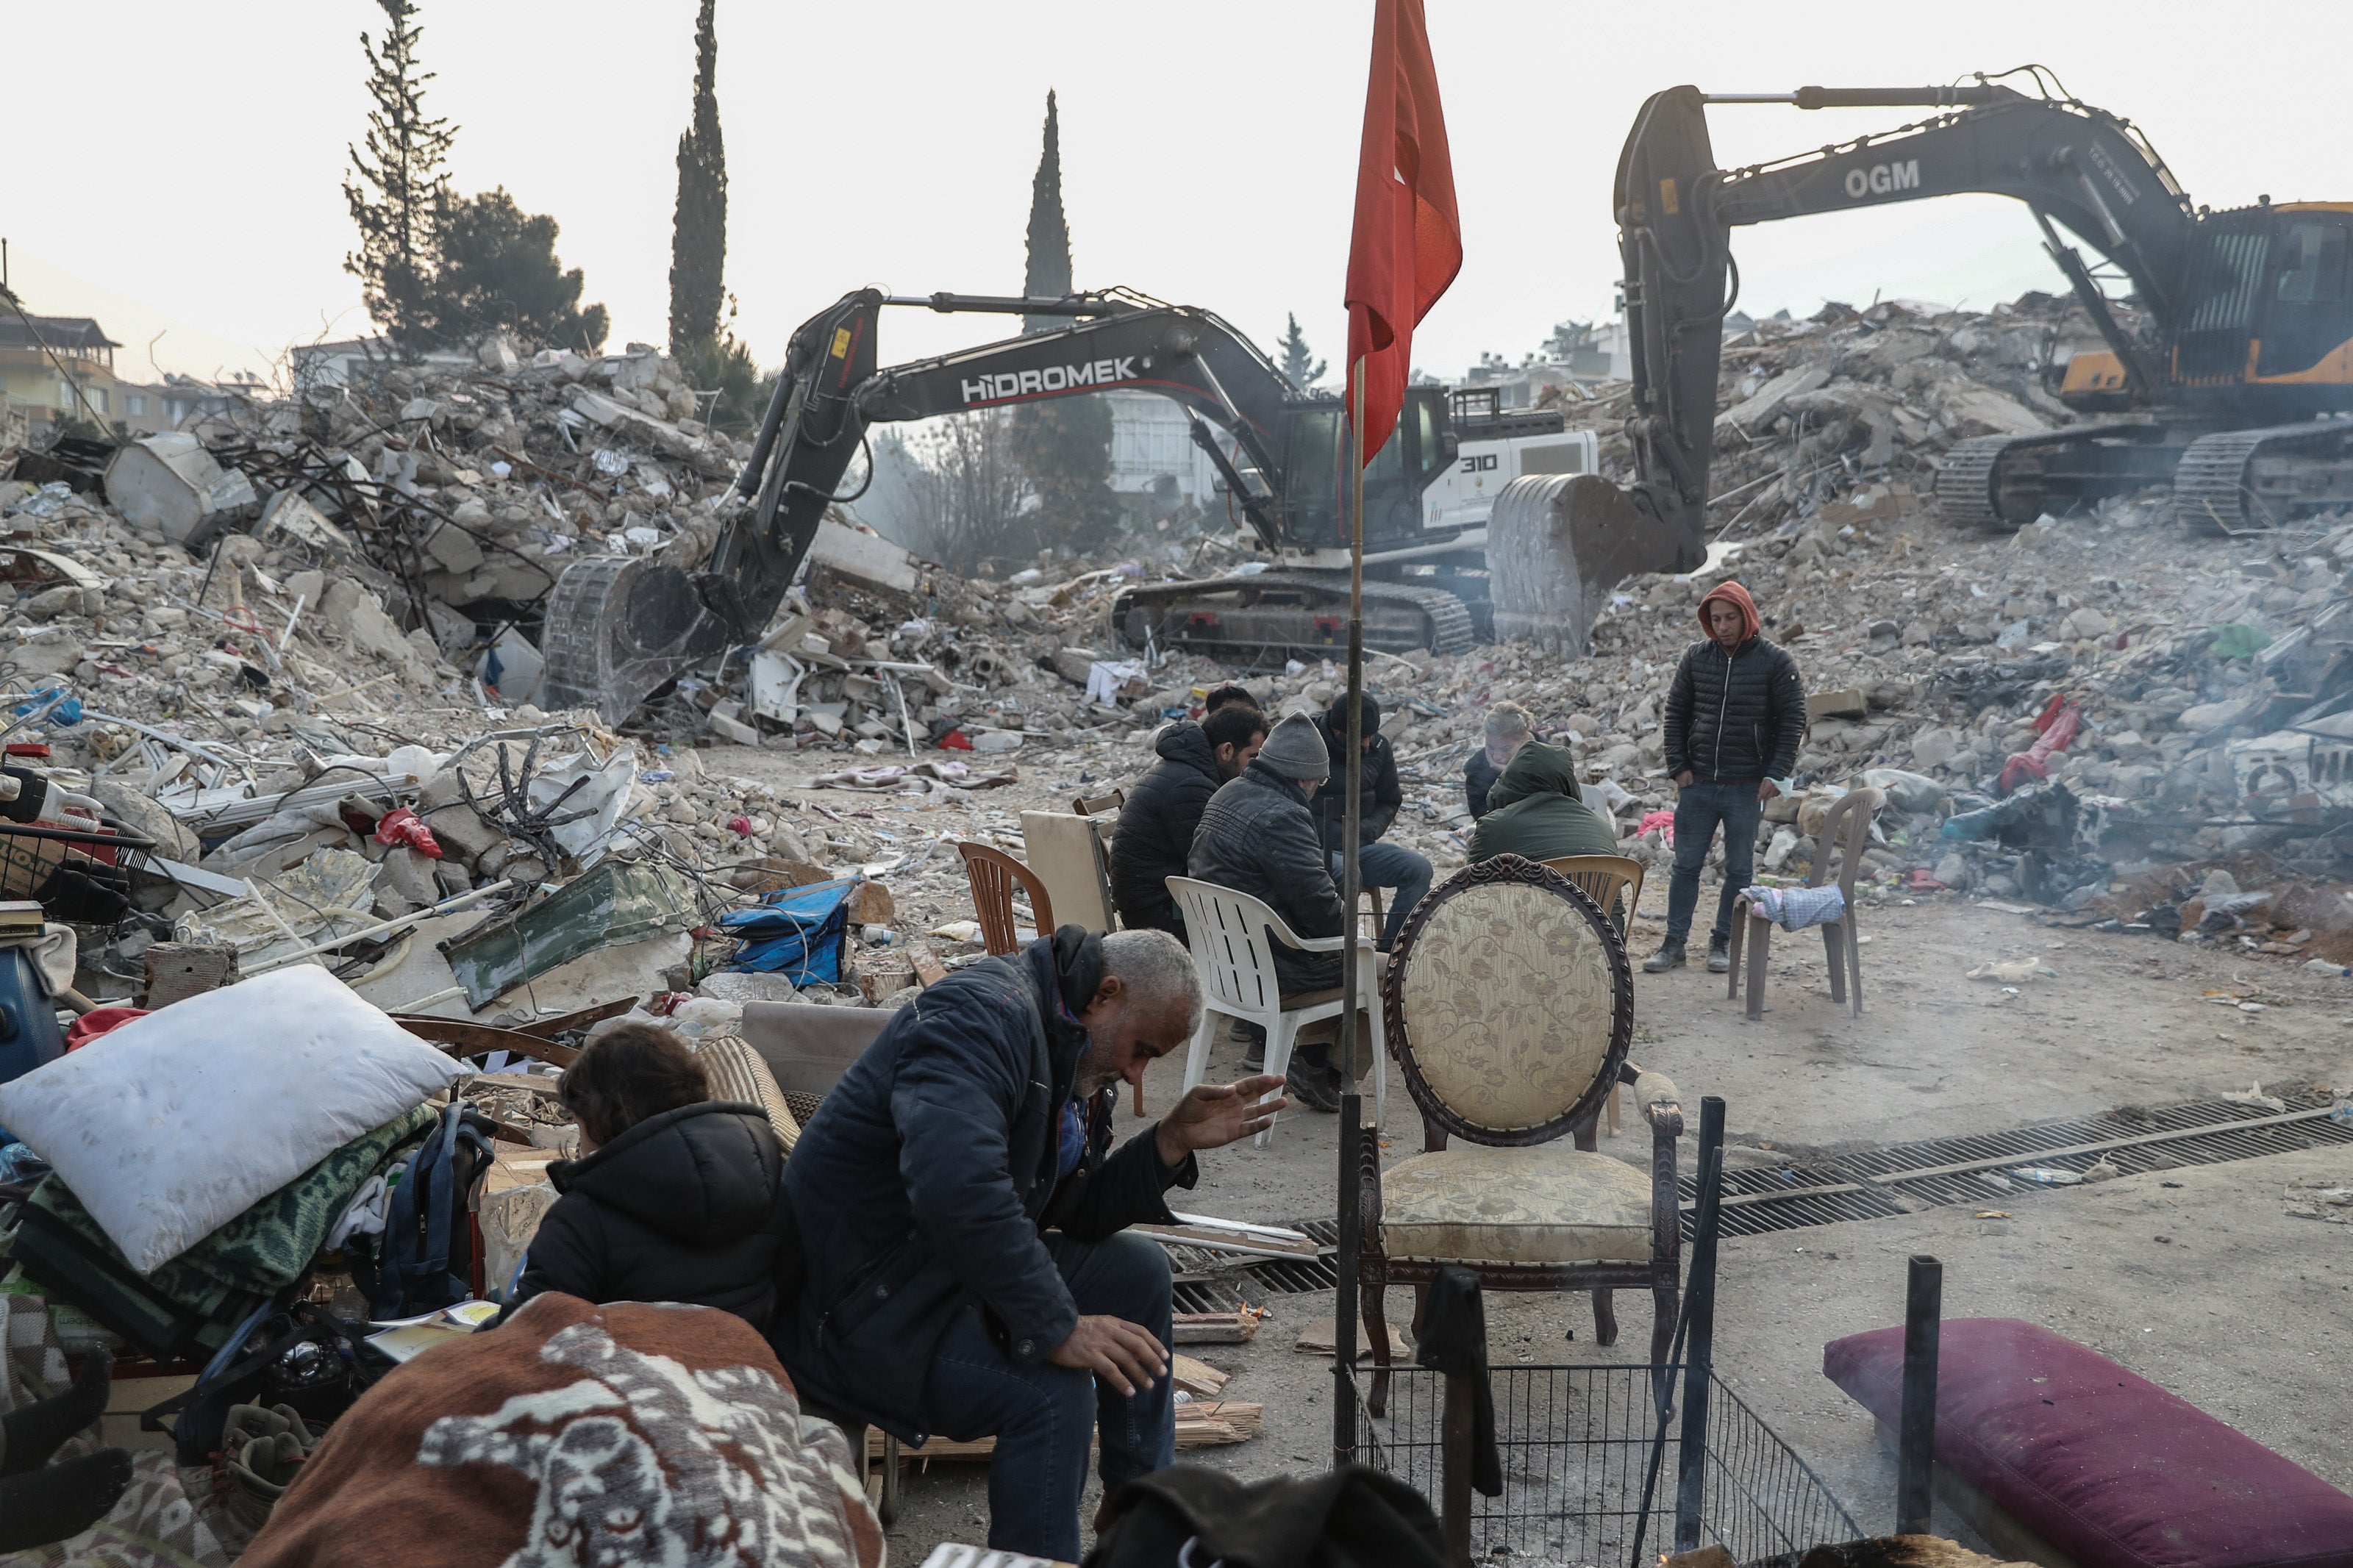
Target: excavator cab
{"x": 1315, "y": 505}
{"x": 2270, "y": 298}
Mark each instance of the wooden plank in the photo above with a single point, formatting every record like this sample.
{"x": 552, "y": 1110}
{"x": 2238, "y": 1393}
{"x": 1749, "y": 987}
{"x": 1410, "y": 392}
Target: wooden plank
{"x": 179, "y": 970}
{"x": 1200, "y": 1424}
{"x": 928, "y": 970}
{"x": 1198, "y": 1378}
{"x": 1234, "y": 1327}
{"x": 1243, "y": 1241}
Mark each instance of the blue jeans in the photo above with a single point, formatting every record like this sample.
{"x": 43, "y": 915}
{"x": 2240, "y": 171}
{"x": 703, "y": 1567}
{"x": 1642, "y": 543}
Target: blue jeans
{"x": 1044, "y": 1417}
{"x": 1698, "y": 810}
{"x": 1394, "y": 866}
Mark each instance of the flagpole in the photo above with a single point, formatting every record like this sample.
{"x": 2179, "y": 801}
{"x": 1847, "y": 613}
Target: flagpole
{"x": 1343, "y": 1309}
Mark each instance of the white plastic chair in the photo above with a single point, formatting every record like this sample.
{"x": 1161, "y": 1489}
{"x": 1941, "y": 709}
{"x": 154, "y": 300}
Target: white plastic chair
{"x": 1232, "y": 936}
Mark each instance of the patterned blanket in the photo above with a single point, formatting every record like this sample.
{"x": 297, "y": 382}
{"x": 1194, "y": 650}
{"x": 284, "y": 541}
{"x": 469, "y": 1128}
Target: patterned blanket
{"x": 156, "y": 1523}
{"x": 575, "y": 1435}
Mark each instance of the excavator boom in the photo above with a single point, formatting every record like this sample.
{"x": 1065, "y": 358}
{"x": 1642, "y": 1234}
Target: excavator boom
{"x": 619, "y": 627}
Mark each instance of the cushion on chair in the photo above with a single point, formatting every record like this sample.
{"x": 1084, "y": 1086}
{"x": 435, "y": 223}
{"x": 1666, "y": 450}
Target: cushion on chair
{"x": 2108, "y": 1467}
{"x": 737, "y": 1072}
{"x": 1541, "y": 1204}
{"x": 1507, "y": 999}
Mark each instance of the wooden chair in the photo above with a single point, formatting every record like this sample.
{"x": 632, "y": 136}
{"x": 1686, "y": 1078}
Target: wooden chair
{"x": 1853, "y": 814}
{"x": 994, "y": 875}
{"x": 1602, "y": 877}
{"x": 1233, "y": 937}
{"x": 1105, "y": 805}
{"x": 1508, "y": 1003}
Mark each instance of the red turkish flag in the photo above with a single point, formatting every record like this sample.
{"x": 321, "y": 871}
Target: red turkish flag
{"x": 1407, "y": 242}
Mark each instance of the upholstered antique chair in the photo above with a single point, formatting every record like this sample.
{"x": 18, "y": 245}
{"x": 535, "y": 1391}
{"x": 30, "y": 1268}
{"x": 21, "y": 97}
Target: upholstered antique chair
{"x": 1508, "y": 1003}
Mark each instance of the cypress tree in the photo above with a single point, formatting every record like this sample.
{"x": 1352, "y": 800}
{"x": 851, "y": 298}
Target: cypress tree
{"x": 398, "y": 190}
{"x": 698, "y": 247}
{"x": 1063, "y": 443}
{"x": 1048, "y": 273}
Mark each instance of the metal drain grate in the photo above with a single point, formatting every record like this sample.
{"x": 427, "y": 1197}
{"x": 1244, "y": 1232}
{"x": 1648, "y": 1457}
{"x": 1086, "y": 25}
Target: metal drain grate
{"x": 1905, "y": 1177}
{"x": 1875, "y": 1183}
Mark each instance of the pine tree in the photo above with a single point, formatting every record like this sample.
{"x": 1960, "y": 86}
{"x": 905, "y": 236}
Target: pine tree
{"x": 1048, "y": 273}
{"x": 498, "y": 272}
{"x": 1301, "y": 366}
{"x": 1063, "y": 444}
{"x": 698, "y": 247}
{"x": 399, "y": 190}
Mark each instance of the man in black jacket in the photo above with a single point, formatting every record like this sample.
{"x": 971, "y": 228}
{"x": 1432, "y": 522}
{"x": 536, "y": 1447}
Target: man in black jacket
{"x": 1259, "y": 837}
{"x": 958, "y": 1208}
{"x": 1734, "y": 717}
{"x": 1155, "y": 827}
{"x": 1390, "y": 865}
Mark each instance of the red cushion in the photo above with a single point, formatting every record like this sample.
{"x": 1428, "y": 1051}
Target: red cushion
{"x": 2107, "y": 1466}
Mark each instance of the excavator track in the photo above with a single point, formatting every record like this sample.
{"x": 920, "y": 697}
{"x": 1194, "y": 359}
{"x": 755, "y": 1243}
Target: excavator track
{"x": 1397, "y": 616}
{"x": 1998, "y": 484}
{"x": 2241, "y": 481}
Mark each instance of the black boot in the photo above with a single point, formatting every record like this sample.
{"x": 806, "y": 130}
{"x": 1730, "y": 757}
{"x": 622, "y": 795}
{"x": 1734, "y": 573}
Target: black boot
{"x": 1669, "y": 956}
{"x": 1719, "y": 954}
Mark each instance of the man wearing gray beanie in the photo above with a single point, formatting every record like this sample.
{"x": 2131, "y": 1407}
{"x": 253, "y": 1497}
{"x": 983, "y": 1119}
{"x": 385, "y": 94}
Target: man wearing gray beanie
{"x": 1258, "y": 837}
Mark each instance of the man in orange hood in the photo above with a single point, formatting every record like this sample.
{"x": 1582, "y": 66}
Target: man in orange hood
{"x": 1735, "y": 715}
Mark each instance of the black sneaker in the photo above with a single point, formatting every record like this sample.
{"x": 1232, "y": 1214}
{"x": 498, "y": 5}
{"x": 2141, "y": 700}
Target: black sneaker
{"x": 1312, "y": 1086}
{"x": 1669, "y": 956}
{"x": 1719, "y": 954}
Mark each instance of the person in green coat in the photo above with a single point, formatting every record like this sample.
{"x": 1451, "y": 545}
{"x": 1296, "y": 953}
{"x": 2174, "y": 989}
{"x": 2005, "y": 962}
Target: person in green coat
{"x": 1535, "y": 810}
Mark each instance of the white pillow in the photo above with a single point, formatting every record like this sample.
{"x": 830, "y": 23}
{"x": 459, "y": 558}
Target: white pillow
{"x": 175, "y": 1124}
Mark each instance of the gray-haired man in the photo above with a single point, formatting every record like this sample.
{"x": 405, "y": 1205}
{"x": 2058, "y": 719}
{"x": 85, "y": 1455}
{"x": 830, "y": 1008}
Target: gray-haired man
{"x": 959, "y": 1209}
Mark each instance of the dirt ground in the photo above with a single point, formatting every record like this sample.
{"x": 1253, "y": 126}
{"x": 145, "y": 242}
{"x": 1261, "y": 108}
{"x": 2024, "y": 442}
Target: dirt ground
{"x": 2242, "y": 1309}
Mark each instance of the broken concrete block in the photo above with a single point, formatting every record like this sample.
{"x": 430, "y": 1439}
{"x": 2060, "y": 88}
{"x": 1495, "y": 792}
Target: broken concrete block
{"x": 864, "y": 558}
{"x": 1847, "y": 702}
{"x": 170, "y": 483}
{"x": 142, "y": 814}
{"x": 176, "y": 970}
{"x": 1763, "y": 408}
{"x": 409, "y": 875}
{"x": 734, "y": 730}
{"x": 454, "y": 548}
{"x": 1935, "y": 748}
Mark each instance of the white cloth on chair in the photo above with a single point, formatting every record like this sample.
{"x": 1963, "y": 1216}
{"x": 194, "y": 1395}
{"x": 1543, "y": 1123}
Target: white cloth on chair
{"x": 1795, "y": 908}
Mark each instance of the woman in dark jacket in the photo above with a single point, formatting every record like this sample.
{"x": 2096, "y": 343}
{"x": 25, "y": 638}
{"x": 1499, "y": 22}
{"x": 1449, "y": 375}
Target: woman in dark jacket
{"x": 674, "y": 1197}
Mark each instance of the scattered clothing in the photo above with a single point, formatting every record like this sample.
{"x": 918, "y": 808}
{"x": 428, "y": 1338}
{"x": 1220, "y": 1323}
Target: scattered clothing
{"x": 1157, "y": 825}
{"x": 1737, "y": 715}
{"x": 364, "y": 1216}
{"x": 924, "y": 1185}
{"x": 629, "y": 1433}
{"x": 1536, "y": 811}
{"x": 1795, "y": 908}
{"x": 1257, "y": 836}
{"x": 681, "y": 1207}
{"x": 99, "y": 1021}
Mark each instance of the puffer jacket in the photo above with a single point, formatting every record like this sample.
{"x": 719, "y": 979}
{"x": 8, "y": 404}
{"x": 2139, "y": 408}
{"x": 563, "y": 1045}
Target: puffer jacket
{"x": 1380, "y": 787}
{"x": 926, "y": 1179}
{"x": 1258, "y": 837}
{"x": 1735, "y": 715}
{"x": 1535, "y": 811}
{"x": 681, "y": 1207}
{"x": 1155, "y": 840}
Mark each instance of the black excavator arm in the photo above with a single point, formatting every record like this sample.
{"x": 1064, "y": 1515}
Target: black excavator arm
{"x": 2074, "y": 165}
{"x": 618, "y": 628}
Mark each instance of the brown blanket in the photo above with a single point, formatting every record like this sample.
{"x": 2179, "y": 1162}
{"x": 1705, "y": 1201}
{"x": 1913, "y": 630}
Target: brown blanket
{"x": 576, "y": 1436}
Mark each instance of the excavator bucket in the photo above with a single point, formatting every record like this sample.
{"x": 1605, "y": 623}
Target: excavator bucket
{"x": 618, "y": 628}
{"x": 1556, "y": 545}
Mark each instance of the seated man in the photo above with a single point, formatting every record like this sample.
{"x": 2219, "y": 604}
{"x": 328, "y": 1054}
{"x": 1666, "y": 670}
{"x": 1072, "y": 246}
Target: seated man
{"x": 1508, "y": 728}
{"x": 1258, "y": 837}
{"x": 1535, "y": 811}
{"x": 1155, "y": 826}
{"x": 1390, "y": 865}
{"x": 957, "y": 1205}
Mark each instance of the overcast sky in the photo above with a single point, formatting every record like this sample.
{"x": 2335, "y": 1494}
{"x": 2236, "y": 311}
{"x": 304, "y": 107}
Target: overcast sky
{"x": 178, "y": 168}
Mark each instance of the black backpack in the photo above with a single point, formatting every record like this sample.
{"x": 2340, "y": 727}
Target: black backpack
{"x": 425, "y": 1260}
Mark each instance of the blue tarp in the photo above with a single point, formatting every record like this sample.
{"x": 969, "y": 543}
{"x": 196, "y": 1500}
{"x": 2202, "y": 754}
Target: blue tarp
{"x": 798, "y": 933}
